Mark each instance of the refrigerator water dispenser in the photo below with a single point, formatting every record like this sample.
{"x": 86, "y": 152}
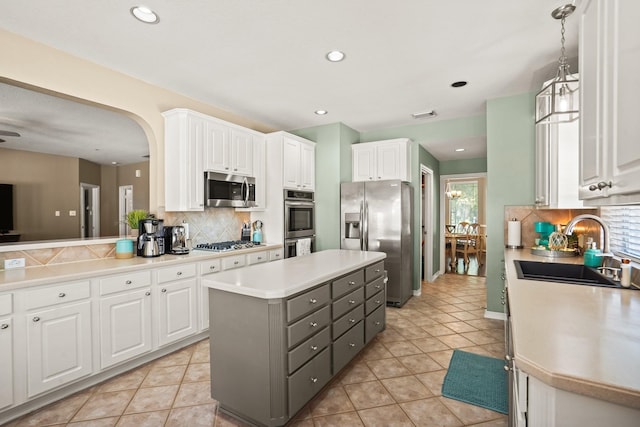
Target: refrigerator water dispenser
{"x": 352, "y": 225}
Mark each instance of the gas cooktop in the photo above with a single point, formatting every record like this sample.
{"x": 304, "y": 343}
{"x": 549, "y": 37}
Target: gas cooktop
{"x": 225, "y": 246}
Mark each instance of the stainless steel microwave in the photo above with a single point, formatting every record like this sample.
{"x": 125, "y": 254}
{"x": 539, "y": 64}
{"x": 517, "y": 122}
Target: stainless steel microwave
{"x": 229, "y": 191}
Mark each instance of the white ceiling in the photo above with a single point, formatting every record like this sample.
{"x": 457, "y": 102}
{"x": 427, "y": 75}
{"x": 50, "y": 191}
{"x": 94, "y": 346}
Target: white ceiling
{"x": 265, "y": 60}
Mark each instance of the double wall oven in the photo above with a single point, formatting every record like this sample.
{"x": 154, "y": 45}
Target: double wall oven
{"x": 299, "y": 222}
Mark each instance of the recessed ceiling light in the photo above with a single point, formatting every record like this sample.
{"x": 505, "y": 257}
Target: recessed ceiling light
{"x": 114, "y": 163}
{"x": 144, "y": 14}
{"x": 321, "y": 112}
{"x": 459, "y": 150}
{"x": 335, "y": 56}
{"x": 424, "y": 115}
{"x": 460, "y": 83}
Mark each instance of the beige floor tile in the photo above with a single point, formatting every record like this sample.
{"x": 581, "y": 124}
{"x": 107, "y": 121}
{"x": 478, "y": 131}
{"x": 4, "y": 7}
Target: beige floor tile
{"x": 103, "y": 405}
{"x": 376, "y": 350}
{"x": 128, "y": 381}
{"x": 430, "y": 345}
{"x": 456, "y": 341}
{"x": 194, "y": 394}
{"x": 387, "y": 368}
{"x": 469, "y": 414}
{"x": 430, "y": 413}
{"x": 357, "y": 373}
{"x": 500, "y": 422}
{"x": 438, "y": 329}
{"x": 402, "y": 348}
{"x": 102, "y": 422}
{"x": 164, "y": 375}
{"x": 444, "y": 318}
{"x": 147, "y": 419}
{"x": 433, "y": 381}
{"x": 180, "y": 357}
{"x": 459, "y": 327}
{"x": 197, "y": 372}
{"x": 301, "y": 423}
{"x": 368, "y": 395}
{"x": 419, "y": 363}
{"x": 56, "y": 413}
{"x": 404, "y": 389}
{"x": 442, "y": 357}
{"x": 390, "y": 335}
{"x": 333, "y": 400}
{"x": 480, "y": 337}
{"x": 385, "y": 416}
{"x": 193, "y": 416}
{"x": 152, "y": 399}
{"x": 413, "y": 332}
{"x": 347, "y": 419}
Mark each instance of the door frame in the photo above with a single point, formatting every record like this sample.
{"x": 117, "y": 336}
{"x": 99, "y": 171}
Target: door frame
{"x": 427, "y": 218}
{"x": 95, "y": 207}
{"x": 125, "y": 205}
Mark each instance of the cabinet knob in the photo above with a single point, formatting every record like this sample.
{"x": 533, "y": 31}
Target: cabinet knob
{"x": 377, "y": 286}
{"x": 314, "y": 347}
{"x": 352, "y": 344}
{"x": 377, "y": 270}
{"x": 313, "y": 300}
{"x": 507, "y": 368}
{"x": 236, "y": 262}
{"x": 179, "y": 273}
{"x": 147, "y": 293}
{"x": 212, "y": 267}
{"x": 62, "y": 295}
{"x": 4, "y": 326}
{"x": 235, "y": 169}
{"x": 352, "y": 320}
{"x": 128, "y": 282}
{"x": 507, "y": 357}
{"x": 36, "y": 319}
{"x": 377, "y": 323}
{"x": 313, "y": 324}
{"x": 351, "y": 283}
{"x": 600, "y": 186}
{"x": 163, "y": 290}
{"x": 259, "y": 258}
{"x": 313, "y": 379}
{"x": 352, "y": 301}
{"x": 378, "y": 301}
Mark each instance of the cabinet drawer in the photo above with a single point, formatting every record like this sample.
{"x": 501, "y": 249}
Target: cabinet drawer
{"x": 257, "y": 257}
{"x": 311, "y": 347}
{"x": 347, "y": 302}
{"x": 374, "y": 287}
{"x": 177, "y": 272}
{"x": 236, "y": 261}
{"x": 276, "y": 254}
{"x": 347, "y": 346}
{"x": 308, "y": 326}
{"x": 307, "y": 302}
{"x": 374, "y": 323}
{"x": 345, "y": 323}
{"x": 210, "y": 266}
{"x": 6, "y": 304}
{"x": 308, "y": 381}
{"x": 57, "y": 294}
{"x": 347, "y": 283}
{"x": 124, "y": 282}
{"x": 375, "y": 301}
{"x": 374, "y": 271}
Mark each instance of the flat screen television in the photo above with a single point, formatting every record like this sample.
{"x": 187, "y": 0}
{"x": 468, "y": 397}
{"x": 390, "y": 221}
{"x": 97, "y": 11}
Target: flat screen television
{"x": 6, "y": 208}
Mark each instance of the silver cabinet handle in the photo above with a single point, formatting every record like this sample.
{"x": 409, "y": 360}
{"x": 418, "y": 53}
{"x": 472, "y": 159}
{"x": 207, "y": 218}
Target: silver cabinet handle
{"x": 600, "y": 186}
{"x": 179, "y": 273}
{"x": 36, "y": 319}
{"x": 128, "y": 282}
{"x": 377, "y": 270}
{"x": 352, "y": 320}
{"x": 313, "y": 324}
{"x": 351, "y": 301}
{"x": 62, "y": 295}
{"x": 351, "y": 283}
{"x": 4, "y": 326}
{"x": 313, "y": 300}
{"x": 259, "y": 258}
{"x": 507, "y": 357}
{"x": 147, "y": 293}
{"x": 377, "y": 286}
{"x": 378, "y": 301}
{"x": 351, "y": 344}
{"x": 236, "y": 262}
{"x": 314, "y": 347}
{"x": 313, "y": 379}
{"x": 377, "y": 323}
{"x": 212, "y": 267}
{"x": 163, "y": 290}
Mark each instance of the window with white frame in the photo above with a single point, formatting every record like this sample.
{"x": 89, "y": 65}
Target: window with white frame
{"x": 624, "y": 227}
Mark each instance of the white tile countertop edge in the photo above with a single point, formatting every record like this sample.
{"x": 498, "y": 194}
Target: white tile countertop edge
{"x": 583, "y": 339}
{"x": 290, "y": 276}
{"x": 36, "y": 276}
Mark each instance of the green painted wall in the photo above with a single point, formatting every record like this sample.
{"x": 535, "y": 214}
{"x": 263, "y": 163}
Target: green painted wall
{"x": 453, "y": 167}
{"x": 333, "y": 166}
{"x": 510, "y": 176}
{"x": 432, "y": 163}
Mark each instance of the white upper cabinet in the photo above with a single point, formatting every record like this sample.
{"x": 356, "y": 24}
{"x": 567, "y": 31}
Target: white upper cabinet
{"x": 228, "y": 150}
{"x": 609, "y": 130}
{"x": 299, "y": 170}
{"x": 381, "y": 160}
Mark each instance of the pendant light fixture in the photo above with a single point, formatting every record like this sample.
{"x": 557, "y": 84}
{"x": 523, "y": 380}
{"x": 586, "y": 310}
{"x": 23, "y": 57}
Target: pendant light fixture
{"x": 557, "y": 102}
{"x": 452, "y": 194}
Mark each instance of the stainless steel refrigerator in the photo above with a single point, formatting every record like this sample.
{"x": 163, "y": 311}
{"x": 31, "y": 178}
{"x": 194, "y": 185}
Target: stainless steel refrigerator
{"x": 378, "y": 216}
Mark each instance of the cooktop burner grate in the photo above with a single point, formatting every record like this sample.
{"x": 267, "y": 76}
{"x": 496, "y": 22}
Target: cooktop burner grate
{"x": 225, "y": 246}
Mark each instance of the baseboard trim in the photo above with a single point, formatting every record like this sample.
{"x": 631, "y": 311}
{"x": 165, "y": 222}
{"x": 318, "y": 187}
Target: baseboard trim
{"x": 417, "y": 292}
{"x": 495, "y": 315}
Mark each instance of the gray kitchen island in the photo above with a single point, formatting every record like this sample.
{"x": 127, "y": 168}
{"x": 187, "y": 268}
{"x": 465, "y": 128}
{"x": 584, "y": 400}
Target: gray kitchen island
{"x": 280, "y": 331}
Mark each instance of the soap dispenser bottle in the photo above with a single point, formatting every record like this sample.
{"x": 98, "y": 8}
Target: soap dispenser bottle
{"x": 592, "y": 256}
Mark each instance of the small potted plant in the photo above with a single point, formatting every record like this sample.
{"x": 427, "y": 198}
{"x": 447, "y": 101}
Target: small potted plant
{"x": 125, "y": 247}
{"x": 133, "y": 218}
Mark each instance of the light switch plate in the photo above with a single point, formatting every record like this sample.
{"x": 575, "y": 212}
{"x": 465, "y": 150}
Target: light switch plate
{"x": 14, "y": 263}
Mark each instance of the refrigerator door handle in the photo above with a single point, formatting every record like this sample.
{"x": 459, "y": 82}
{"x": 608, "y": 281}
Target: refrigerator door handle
{"x": 366, "y": 227}
{"x": 362, "y": 230}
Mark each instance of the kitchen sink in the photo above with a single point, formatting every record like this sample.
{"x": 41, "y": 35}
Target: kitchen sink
{"x": 575, "y": 274}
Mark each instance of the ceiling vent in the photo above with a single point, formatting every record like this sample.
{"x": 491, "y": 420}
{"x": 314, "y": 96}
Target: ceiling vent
{"x": 424, "y": 115}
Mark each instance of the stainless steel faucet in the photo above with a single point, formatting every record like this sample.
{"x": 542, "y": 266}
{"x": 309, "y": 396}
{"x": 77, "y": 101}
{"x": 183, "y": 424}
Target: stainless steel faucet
{"x": 605, "y": 230}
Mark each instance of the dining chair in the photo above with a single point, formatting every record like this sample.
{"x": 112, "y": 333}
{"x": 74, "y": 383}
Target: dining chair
{"x": 468, "y": 245}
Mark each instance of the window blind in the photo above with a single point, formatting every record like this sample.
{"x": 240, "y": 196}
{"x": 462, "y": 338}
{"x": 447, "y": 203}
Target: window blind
{"x": 624, "y": 226}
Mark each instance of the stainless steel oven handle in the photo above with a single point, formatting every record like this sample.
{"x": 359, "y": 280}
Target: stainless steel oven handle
{"x": 309, "y": 204}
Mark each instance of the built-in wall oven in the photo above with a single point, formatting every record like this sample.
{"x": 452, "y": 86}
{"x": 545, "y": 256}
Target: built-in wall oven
{"x": 299, "y": 222}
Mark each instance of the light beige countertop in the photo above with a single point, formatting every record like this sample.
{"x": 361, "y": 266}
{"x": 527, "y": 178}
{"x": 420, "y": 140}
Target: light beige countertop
{"x": 36, "y": 276}
{"x": 291, "y": 275}
{"x": 583, "y": 339}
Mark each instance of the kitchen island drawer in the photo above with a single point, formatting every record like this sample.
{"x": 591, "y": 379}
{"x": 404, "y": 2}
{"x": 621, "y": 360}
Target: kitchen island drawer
{"x": 57, "y": 294}
{"x": 347, "y": 302}
{"x": 347, "y": 283}
{"x": 311, "y": 347}
{"x": 124, "y": 282}
{"x": 6, "y": 304}
{"x": 374, "y": 324}
{"x": 179, "y": 272}
{"x": 347, "y": 321}
{"x": 375, "y": 301}
{"x": 374, "y": 271}
{"x": 308, "y": 326}
{"x": 210, "y": 266}
{"x": 347, "y": 346}
{"x": 374, "y": 287}
{"x": 307, "y": 302}
{"x": 308, "y": 381}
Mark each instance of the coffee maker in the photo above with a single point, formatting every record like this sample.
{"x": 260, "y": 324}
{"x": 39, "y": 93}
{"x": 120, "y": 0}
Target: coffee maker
{"x": 150, "y": 238}
{"x": 176, "y": 240}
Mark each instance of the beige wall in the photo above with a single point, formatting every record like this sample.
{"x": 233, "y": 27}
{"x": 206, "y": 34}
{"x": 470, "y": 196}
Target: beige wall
{"x": 36, "y": 65}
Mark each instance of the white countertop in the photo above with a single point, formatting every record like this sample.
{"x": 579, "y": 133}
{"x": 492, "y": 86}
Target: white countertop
{"x": 583, "y": 339}
{"x": 35, "y": 276}
{"x": 289, "y": 276}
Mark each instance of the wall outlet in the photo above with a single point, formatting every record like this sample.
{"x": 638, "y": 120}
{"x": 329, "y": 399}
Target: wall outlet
{"x": 14, "y": 263}
{"x": 72, "y": 213}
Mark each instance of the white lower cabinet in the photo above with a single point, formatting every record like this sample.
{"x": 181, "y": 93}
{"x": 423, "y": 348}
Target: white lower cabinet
{"x": 6, "y": 362}
{"x": 58, "y": 346}
{"x": 125, "y": 326}
{"x": 178, "y": 315}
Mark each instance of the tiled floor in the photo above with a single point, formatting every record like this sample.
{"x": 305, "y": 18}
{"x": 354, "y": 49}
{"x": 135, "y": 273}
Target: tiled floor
{"x": 395, "y": 381}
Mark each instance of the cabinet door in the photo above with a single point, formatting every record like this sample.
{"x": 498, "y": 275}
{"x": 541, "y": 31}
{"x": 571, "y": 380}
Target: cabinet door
{"x": 308, "y": 166}
{"x": 6, "y": 362}
{"x": 125, "y": 326}
{"x": 178, "y": 311}
{"x": 291, "y": 164}
{"x": 195, "y": 170}
{"x": 389, "y": 162}
{"x": 216, "y": 148}
{"x": 59, "y": 346}
{"x": 623, "y": 68}
{"x": 363, "y": 162}
{"x": 241, "y": 152}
